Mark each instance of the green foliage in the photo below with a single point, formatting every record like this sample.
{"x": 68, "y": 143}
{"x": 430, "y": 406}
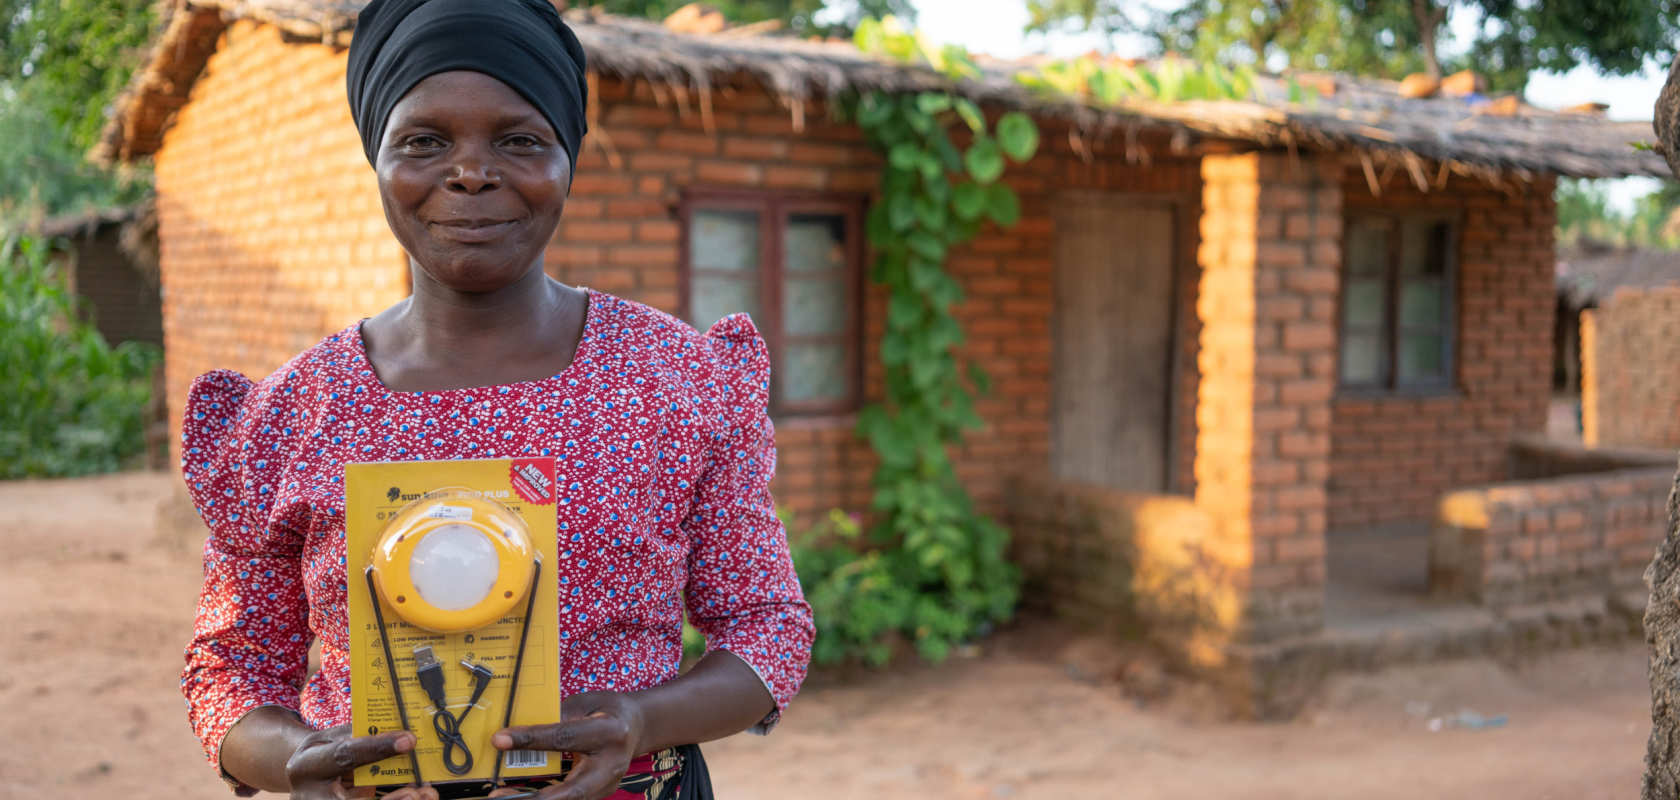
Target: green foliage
{"x": 799, "y": 15}
{"x": 1615, "y": 36}
{"x": 43, "y": 174}
{"x": 62, "y": 63}
{"x": 1384, "y": 38}
{"x": 1110, "y": 82}
{"x": 931, "y": 570}
{"x": 70, "y": 404}
{"x": 70, "y": 58}
{"x": 1584, "y": 214}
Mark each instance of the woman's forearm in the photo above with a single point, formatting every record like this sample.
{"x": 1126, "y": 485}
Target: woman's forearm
{"x": 721, "y": 696}
{"x": 257, "y": 747}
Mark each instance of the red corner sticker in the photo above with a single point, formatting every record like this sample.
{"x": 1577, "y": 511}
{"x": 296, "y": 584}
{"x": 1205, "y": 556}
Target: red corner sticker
{"x": 533, "y": 479}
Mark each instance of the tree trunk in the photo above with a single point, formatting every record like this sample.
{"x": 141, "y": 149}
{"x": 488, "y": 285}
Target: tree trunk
{"x": 1662, "y": 635}
{"x": 1667, "y": 118}
{"x": 1662, "y": 609}
{"x": 1429, "y": 21}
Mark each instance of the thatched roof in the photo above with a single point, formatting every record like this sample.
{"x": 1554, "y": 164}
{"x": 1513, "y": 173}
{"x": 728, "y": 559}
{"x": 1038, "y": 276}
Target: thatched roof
{"x": 1357, "y": 115}
{"x": 1588, "y": 273}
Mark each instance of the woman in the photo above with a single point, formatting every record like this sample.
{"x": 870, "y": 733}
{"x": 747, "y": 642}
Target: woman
{"x": 472, "y": 113}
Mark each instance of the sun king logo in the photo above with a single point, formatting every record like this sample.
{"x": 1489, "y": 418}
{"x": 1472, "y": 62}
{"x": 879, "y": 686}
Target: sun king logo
{"x": 533, "y": 479}
{"x": 394, "y": 494}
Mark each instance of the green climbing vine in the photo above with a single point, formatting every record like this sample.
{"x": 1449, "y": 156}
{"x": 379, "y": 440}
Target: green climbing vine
{"x": 931, "y": 568}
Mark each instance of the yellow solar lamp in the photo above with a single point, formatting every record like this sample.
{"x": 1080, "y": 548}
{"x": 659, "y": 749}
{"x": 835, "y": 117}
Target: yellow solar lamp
{"x": 453, "y": 561}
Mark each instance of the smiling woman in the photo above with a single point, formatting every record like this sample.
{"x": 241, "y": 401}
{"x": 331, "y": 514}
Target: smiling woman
{"x": 472, "y": 112}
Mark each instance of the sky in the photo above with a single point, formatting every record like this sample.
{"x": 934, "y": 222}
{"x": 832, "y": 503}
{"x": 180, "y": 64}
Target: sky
{"x": 995, "y": 27}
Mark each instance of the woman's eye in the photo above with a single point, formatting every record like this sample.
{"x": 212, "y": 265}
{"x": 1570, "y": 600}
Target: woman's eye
{"x": 520, "y": 140}
{"x": 424, "y": 142}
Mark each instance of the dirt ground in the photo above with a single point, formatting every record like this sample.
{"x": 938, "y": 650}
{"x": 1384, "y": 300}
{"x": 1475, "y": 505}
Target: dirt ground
{"x": 94, "y": 612}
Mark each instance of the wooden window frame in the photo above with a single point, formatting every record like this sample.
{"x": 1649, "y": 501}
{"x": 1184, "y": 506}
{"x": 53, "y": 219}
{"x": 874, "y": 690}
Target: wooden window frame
{"x": 1390, "y": 330}
{"x": 774, "y": 207}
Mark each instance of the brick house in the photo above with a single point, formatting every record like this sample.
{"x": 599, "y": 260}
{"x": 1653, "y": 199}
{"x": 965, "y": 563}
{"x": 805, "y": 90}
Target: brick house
{"x": 1223, "y": 338}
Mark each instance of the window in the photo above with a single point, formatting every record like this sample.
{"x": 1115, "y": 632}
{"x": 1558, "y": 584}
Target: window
{"x": 1397, "y": 302}
{"x": 792, "y": 262}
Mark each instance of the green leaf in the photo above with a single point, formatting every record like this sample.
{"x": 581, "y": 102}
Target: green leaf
{"x": 901, "y": 211}
{"x": 919, "y": 122}
{"x": 929, "y": 165}
{"x": 931, "y": 214}
{"x": 904, "y": 156}
{"x": 877, "y": 226}
{"x": 1002, "y": 205}
{"x": 969, "y": 201}
{"x": 926, "y": 246}
{"x": 984, "y": 160}
{"x": 1018, "y": 135}
{"x": 970, "y": 114}
{"x": 933, "y": 102}
{"x": 868, "y": 35}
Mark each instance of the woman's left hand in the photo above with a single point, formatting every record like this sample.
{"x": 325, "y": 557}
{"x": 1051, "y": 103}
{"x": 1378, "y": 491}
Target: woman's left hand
{"x": 602, "y": 731}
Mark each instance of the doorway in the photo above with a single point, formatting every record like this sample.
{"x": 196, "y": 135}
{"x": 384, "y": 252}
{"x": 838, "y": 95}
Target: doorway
{"x": 1113, "y": 332}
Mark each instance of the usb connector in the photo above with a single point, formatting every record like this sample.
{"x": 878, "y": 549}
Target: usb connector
{"x": 430, "y": 672}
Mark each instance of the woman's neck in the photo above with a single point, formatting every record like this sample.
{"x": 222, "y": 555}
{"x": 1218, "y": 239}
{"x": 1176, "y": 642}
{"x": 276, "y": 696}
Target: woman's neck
{"x": 440, "y": 338}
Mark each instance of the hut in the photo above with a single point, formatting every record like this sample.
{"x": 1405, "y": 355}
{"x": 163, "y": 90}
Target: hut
{"x": 110, "y": 261}
{"x": 1616, "y": 341}
{"x": 1250, "y": 332}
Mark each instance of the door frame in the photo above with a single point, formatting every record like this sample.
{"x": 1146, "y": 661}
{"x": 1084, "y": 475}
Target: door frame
{"x": 1185, "y": 207}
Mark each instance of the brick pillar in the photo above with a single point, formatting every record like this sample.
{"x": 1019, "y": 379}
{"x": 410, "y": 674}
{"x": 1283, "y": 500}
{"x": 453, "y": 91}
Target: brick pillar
{"x": 1270, "y": 257}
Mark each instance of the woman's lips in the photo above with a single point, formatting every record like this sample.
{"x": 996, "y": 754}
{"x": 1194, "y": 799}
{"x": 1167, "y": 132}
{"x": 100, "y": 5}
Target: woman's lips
{"x": 472, "y": 231}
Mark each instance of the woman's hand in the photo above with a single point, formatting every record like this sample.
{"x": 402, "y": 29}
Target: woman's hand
{"x": 603, "y": 732}
{"x": 321, "y": 767}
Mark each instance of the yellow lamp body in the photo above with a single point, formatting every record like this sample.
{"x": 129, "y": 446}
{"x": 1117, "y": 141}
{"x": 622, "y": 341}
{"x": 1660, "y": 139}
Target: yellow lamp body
{"x": 453, "y": 561}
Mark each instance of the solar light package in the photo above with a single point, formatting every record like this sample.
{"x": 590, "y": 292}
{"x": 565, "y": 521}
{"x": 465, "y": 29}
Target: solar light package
{"x": 454, "y": 620}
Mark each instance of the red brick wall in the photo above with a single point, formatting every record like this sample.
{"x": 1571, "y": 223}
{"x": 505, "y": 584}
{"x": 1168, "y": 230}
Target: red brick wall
{"x": 1393, "y": 456}
{"x": 1631, "y": 369}
{"x": 1580, "y": 536}
{"x": 273, "y": 237}
{"x": 271, "y": 233}
{"x": 620, "y": 235}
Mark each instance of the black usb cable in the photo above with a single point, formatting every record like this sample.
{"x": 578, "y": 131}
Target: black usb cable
{"x": 448, "y": 726}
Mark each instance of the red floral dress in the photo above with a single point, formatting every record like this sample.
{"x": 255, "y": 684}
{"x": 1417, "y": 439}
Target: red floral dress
{"x": 669, "y": 451}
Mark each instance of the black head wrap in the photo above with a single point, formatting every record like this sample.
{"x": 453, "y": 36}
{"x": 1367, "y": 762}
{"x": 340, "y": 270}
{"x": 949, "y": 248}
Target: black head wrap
{"x": 522, "y": 43}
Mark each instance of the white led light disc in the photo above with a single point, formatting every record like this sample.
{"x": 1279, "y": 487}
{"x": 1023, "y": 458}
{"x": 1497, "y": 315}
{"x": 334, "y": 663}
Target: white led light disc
{"x": 454, "y": 567}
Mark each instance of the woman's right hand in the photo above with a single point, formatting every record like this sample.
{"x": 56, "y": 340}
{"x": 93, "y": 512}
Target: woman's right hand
{"x": 321, "y": 767}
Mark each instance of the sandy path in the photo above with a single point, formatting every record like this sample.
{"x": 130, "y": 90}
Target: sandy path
{"x": 94, "y": 616}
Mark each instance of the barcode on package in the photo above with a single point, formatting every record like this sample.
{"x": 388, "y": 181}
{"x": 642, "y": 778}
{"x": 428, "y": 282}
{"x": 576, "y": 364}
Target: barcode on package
{"x": 525, "y": 759}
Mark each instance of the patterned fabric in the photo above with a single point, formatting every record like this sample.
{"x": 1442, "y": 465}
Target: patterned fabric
{"x": 666, "y": 453}
{"x": 656, "y": 776}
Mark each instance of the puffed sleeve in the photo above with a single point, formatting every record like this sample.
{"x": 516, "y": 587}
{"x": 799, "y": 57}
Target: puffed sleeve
{"x": 250, "y": 644}
{"x": 742, "y": 591}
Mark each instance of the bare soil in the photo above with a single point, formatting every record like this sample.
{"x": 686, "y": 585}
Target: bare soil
{"x": 94, "y": 610}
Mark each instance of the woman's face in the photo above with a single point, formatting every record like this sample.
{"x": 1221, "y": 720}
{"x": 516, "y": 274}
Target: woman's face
{"x": 473, "y": 180}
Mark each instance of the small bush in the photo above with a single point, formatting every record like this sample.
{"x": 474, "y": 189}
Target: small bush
{"x": 70, "y": 404}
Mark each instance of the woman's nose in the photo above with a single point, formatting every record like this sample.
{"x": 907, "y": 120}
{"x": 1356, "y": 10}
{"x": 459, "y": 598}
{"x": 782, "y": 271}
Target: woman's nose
{"x": 473, "y": 176}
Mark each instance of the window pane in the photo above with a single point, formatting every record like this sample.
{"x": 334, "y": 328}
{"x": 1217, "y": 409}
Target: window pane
{"x": 814, "y": 307}
{"x": 814, "y": 373}
{"x": 814, "y": 242}
{"x": 1423, "y": 248}
{"x": 1362, "y": 302}
{"x": 724, "y": 240}
{"x": 714, "y": 297}
{"x": 1367, "y": 248}
{"x": 1423, "y": 303}
{"x": 1421, "y": 359}
{"x": 1361, "y": 358}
